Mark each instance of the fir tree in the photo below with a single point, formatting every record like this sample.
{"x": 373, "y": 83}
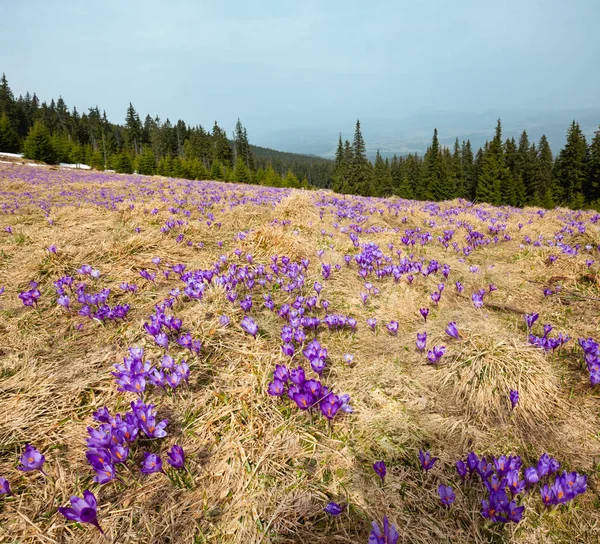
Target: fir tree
{"x": 592, "y": 186}
{"x": 438, "y": 186}
{"x": 571, "y": 164}
{"x": 382, "y": 177}
{"x": 38, "y": 145}
{"x": 134, "y": 129}
{"x": 123, "y": 164}
{"x": 146, "y": 163}
{"x": 360, "y": 171}
{"x": 241, "y": 173}
{"x": 216, "y": 170}
{"x": 9, "y": 139}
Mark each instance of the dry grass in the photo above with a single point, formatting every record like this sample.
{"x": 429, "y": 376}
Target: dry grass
{"x": 261, "y": 471}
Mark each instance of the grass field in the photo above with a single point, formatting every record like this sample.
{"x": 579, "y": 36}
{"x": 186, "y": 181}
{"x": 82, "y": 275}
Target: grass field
{"x": 258, "y": 469}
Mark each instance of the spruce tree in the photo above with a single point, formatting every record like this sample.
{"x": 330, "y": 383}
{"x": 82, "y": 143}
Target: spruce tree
{"x": 241, "y": 173}
{"x": 438, "y": 185}
{"x": 272, "y": 178}
{"x": 146, "y": 163}
{"x": 468, "y": 167}
{"x": 571, "y": 165}
{"x": 541, "y": 176}
{"x": 457, "y": 172}
{"x": 134, "y": 129}
{"x": 360, "y": 171}
{"x": 7, "y": 100}
{"x": 340, "y": 167}
{"x": 216, "y": 170}
{"x": 38, "y": 145}
{"x": 382, "y": 177}
{"x": 9, "y": 139}
{"x": 592, "y": 186}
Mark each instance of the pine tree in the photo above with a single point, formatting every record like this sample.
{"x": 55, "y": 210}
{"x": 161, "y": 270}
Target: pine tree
{"x": 382, "y": 177}
{"x": 9, "y": 139}
{"x": 592, "y": 186}
{"x": 457, "y": 172}
{"x": 216, "y": 170}
{"x": 134, "y": 130}
{"x": 272, "y": 179}
{"x": 7, "y": 100}
{"x": 241, "y": 173}
{"x": 291, "y": 180}
{"x": 541, "y": 176}
{"x": 38, "y": 145}
{"x": 571, "y": 165}
{"x": 404, "y": 189}
{"x": 221, "y": 149}
{"x": 122, "y": 163}
{"x": 146, "y": 162}
{"x": 438, "y": 186}
{"x": 360, "y": 171}
{"x": 468, "y": 167}
{"x": 340, "y": 168}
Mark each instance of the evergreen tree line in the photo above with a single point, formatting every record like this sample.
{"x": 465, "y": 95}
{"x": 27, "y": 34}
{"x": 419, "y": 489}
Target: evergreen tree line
{"x": 503, "y": 172}
{"x": 53, "y": 133}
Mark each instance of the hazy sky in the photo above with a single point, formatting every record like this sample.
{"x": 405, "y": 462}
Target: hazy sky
{"x": 300, "y": 63}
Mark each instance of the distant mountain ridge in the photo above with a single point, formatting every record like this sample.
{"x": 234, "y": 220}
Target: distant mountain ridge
{"x": 412, "y": 134}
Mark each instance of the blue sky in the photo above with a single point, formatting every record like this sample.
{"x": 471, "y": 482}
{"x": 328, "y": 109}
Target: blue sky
{"x": 310, "y": 63}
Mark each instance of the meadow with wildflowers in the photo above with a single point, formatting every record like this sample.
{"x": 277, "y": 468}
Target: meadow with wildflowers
{"x": 194, "y": 361}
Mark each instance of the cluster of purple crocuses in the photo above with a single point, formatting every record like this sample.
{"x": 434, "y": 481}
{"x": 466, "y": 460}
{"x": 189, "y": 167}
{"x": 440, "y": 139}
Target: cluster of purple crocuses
{"x": 591, "y": 353}
{"x": 308, "y": 394}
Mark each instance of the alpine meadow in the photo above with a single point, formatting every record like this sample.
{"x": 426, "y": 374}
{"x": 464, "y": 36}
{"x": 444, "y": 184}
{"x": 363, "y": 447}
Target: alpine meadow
{"x": 304, "y": 327}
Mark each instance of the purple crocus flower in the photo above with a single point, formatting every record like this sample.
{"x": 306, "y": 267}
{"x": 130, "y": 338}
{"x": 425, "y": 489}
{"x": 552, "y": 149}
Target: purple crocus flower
{"x": 176, "y": 457}
{"x": 427, "y": 461}
{"x": 151, "y": 463}
{"x": 334, "y": 509}
{"x": 372, "y": 322}
{"x": 531, "y": 475}
{"x": 421, "y": 341}
{"x": 380, "y": 469}
{"x": 392, "y": 326}
{"x": 83, "y": 510}
{"x": 276, "y": 388}
{"x": 435, "y": 297}
{"x": 514, "y": 397}
{"x": 446, "y": 494}
{"x": 530, "y": 319}
{"x": 249, "y": 326}
{"x": 435, "y": 354}
{"x": 461, "y": 468}
{"x": 224, "y": 320}
{"x": 389, "y": 535}
{"x": 31, "y": 459}
{"x": 459, "y": 287}
{"x": 452, "y": 331}
{"x": 5, "y": 487}
{"x": 106, "y": 473}
{"x": 424, "y": 312}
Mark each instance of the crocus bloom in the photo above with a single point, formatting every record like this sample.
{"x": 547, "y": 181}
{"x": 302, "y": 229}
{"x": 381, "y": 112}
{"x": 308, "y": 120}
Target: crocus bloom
{"x": 249, "y": 325}
{"x": 389, "y": 535}
{"x": 427, "y": 461}
{"x": 435, "y": 354}
{"x": 83, "y": 510}
{"x": 31, "y": 459}
{"x": 421, "y": 341}
{"x": 461, "y": 468}
{"x": 334, "y": 509}
{"x": 452, "y": 331}
{"x": 446, "y": 494}
{"x": 176, "y": 457}
{"x": 151, "y": 463}
{"x": 530, "y": 319}
{"x": 514, "y": 397}
{"x": 424, "y": 312}
{"x": 381, "y": 470}
{"x": 276, "y": 388}
{"x": 372, "y": 322}
{"x": 4, "y": 487}
{"x": 392, "y": 326}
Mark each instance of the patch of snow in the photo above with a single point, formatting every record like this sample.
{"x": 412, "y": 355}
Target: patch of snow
{"x": 16, "y": 155}
{"x": 81, "y": 166}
